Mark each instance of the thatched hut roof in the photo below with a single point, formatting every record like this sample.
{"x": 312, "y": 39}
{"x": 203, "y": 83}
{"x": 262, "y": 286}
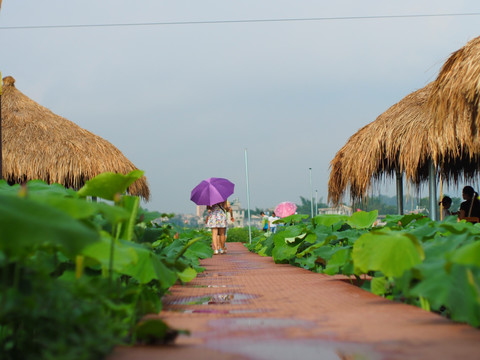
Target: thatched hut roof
{"x": 399, "y": 139}
{"x": 38, "y": 144}
{"x": 454, "y": 101}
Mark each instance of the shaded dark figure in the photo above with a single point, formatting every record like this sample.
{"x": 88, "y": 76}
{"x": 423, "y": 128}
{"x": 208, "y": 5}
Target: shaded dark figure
{"x": 470, "y": 208}
{"x": 446, "y": 204}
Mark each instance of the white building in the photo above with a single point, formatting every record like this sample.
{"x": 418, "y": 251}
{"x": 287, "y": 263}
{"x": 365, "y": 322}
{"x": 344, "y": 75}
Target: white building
{"x": 338, "y": 210}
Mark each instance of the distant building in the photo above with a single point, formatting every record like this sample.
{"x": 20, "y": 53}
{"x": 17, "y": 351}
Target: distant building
{"x": 201, "y": 209}
{"x": 238, "y": 213}
{"x": 339, "y": 210}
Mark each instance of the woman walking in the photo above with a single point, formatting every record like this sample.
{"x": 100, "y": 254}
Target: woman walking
{"x": 217, "y": 221}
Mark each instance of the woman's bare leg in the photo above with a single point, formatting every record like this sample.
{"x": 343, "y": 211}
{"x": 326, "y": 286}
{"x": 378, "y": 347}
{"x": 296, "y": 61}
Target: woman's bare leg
{"x": 221, "y": 236}
{"x": 215, "y": 239}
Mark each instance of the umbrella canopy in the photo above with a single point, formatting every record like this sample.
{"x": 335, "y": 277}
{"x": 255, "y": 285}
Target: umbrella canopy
{"x": 285, "y": 209}
{"x": 212, "y": 191}
{"x": 454, "y": 101}
{"x": 38, "y": 144}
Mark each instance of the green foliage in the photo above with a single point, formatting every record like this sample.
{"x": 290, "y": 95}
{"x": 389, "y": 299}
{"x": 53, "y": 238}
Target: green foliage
{"x": 434, "y": 265}
{"x": 241, "y": 234}
{"x": 77, "y": 276}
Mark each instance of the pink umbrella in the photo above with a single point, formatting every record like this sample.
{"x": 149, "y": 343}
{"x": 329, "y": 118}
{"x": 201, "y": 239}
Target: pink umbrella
{"x": 285, "y": 209}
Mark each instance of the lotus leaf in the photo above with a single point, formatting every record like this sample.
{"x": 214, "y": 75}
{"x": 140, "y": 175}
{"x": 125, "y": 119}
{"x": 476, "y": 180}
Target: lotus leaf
{"x": 107, "y": 185}
{"x": 362, "y": 219}
{"x": 26, "y": 223}
{"x": 389, "y": 252}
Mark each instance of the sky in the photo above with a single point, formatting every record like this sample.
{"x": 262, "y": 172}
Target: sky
{"x": 199, "y": 89}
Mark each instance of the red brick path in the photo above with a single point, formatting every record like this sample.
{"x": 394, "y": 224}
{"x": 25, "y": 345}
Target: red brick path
{"x": 245, "y": 306}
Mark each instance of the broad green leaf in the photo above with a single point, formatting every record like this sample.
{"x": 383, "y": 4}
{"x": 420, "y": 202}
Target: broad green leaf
{"x": 113, "y": 214}
{"x": 200, "y": 250}
{"x": 468, "y": 254}
{"x": 100, "y": 251}
{"x": 339, "y": 259}
{"x": 187, "y": 275}
{"x": 391, "y": 253}
{"x": 283, "y": 250}
{"x": 402, "y": 220}
{"x": 292, "y": 239}
{"x": 319, "y": 243}
{"x": 296, "y": 218}
{"x": 458, "y": 291}
{"x": 149, "y": 267}
{"x": 329, "y": 219}
{"x": 41, "y": 188}
{"x": 362, "y": 219}
{"x": 378, "y": 285}
{"x": 461, "y": 227}
{"x": 25, "y": 223}
{"x": 75, "y": 207}
{"x": 108, "y": 184}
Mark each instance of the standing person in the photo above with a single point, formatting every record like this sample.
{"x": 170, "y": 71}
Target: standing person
{"x": 470, "y": 208}
{"x": 264, "y": 222}
{"x": 446, "y": 203}
{"x": 271, "y": 226}
{"x": 223, "y": 240}
{"x": 217, "y": 221}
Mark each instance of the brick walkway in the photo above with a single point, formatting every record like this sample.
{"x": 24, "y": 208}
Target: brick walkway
{"x": 245, "y": 306}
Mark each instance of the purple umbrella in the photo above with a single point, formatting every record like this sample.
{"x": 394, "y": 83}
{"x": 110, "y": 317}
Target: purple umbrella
{"x": 212, "y": 191}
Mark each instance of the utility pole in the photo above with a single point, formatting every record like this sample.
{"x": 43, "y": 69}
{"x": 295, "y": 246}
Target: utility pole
{"x": 311, "y": 192}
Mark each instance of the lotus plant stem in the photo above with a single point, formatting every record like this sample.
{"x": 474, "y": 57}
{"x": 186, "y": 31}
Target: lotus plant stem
{"x": 424, "y": 303}
{"x": 117, "y": 228}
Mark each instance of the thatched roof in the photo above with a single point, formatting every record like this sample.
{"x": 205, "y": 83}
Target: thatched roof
{"x": 455, "y": 100}
{"x": 455, "y": 97}
{"x": 396, "y": 140}
{"x": 399, "y": 139}
{"x": 38, "y": 144}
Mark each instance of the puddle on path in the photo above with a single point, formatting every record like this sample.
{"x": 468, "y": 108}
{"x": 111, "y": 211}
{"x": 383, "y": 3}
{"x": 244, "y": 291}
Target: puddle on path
{"x": 260, "y": 323}
{"x": 214, "y": 299}
{"x": 286, "y": 349}
{"x": 218, "y": 311}
{"x": 217, "y": 274}
{"x": 211, "y": 286}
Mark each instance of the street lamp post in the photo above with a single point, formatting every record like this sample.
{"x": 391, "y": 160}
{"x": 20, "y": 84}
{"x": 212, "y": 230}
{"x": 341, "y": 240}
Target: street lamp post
{"x": 311, "y": 192}
{"x": 248, "y": 199}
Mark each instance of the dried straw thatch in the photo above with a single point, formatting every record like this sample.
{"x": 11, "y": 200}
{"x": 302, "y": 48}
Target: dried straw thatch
{"x": 455, "y": 101}
{"x": 38, "y": 144}
{"x": 401, "y": 139}
{"x": 395, "y": 141}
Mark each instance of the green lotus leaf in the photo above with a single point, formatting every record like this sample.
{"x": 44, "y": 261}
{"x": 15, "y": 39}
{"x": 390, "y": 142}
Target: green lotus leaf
{"x": 339, "y": 259}
{"x": 468, "y": 254}
{"x": 389, "y": 252}
{"x": 187, "y": 275}
{"x": 26, "y": 223}
{"x": 363, "y": 219}
{"x": 378, "y": 285}
{"x": 329, "y": 219}
{"x": 108, "y": 184}
{"x": 123, "y": 255}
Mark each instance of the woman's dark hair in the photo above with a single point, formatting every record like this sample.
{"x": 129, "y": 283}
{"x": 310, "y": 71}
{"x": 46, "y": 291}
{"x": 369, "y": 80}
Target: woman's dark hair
{"x": 468, "y": 190}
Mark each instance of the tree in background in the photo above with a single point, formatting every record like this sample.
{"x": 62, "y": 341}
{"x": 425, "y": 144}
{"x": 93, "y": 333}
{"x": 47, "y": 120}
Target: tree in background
{"x": 305, "y": 206}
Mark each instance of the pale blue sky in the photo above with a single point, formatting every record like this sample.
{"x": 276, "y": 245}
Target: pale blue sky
{"x": 182, "y": 102}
